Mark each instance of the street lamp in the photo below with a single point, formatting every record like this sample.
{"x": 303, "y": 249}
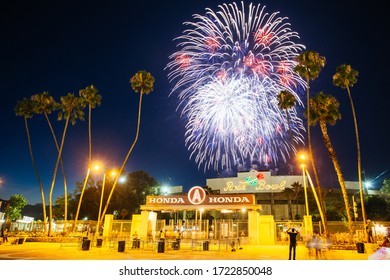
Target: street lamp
{"x": 113, "y": 174}
{"x": 95, "y": 167}
{"x": 307, "y": 221}
{"x": 302, "y": 157}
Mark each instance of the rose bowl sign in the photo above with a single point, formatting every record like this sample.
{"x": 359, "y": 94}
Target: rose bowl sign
{"x": 198, "y": 196}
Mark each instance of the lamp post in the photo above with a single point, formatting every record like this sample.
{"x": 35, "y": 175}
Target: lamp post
{"x": 303, "y": 157}
{"x": 95, "y": 167}
{"x": 112, "y": 173}
{"x": 307, "y": 221}
{"x": 100, "y": 205}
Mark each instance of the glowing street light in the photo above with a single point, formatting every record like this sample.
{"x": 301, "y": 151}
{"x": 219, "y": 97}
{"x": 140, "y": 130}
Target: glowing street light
{"x": 95, "y": 167}
{"x": 113, "y": 174}
{"x": 302, "y": 158}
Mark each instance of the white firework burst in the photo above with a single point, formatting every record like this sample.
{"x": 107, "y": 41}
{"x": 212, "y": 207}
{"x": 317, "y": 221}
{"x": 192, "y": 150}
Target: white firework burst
{"x": 229, "y": 69}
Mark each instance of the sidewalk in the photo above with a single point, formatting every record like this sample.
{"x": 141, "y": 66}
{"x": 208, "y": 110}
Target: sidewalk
{"x": 54, "y": 251}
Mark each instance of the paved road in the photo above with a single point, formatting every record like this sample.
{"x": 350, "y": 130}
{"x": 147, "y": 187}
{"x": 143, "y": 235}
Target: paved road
{"x": 56, "y": 251}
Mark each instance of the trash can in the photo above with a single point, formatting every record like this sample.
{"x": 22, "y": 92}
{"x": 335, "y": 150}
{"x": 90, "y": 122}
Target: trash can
{"x": 99, "y": 242}
{"x": 360, "y": 247}
{"x": 121, "y": 246}
{"x": 205, "y": 245}
{"x": 161, "y": 246}
{"x": 21, "y": 240}
{"x": 86, "y": 244}
{"x": 136, "y": 244}
{"x": 176, "y": 245}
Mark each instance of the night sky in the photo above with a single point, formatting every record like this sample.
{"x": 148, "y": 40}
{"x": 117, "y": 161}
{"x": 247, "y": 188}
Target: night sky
{"x": 64, "y": 46}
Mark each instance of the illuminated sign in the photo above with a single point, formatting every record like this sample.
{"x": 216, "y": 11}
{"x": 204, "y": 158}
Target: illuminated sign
{"x": 255, "y": 182}
{"x": 230, "y": 187}
{"x": 264, "y": 186}
{"x": 198, "y": 196}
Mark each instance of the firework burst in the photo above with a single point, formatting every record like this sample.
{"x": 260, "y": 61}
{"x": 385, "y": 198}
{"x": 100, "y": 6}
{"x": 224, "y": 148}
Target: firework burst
{"x": 229, "y": 69}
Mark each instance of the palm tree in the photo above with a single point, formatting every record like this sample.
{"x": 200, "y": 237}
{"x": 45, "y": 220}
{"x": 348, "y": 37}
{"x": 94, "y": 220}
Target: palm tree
{"x": 286, "y": 101}
{"x": 70, "y": 111}
{"x": 25, "y": 109}
{"x": 346, "y": 77}
{"x": 325, "y": 110}
{"x": 290, "y": 194}
{"x": 90, "y": 97}
{"x": 309, "y": 66}
{"x": 141, "y": 82}
{"x": 45, "y": 104}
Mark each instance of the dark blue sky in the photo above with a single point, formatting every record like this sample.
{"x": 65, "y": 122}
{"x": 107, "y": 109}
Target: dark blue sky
{"x": 64, "y": 46}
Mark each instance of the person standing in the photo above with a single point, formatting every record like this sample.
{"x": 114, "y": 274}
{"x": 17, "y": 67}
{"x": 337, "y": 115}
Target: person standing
{"x": 292, "y": 232}
{"x": 5, "y": 235}
{"x": 369, "y": 231}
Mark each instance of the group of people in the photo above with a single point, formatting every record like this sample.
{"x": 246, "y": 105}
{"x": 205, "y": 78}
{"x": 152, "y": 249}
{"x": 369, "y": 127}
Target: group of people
{"x": 315, "y": 244}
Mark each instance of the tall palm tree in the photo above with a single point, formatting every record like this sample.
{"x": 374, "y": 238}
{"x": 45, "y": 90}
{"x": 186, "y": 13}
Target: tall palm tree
{"x": 142, "y": 82}
{"x": 324, "y": 109}
{"x": 290, "y": 194}
{"x": 45, "y": 104}
{"x": 286, "y": 101}
{"x": 70, "y": 110}
{"x": 309, "y": 66}
{"x": 89, "y": 96}
{"x": 25, "y": 109}
{"x": 346, "y": 77}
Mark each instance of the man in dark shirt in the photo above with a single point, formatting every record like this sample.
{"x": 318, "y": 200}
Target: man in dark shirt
{"x": 293, "y": 242}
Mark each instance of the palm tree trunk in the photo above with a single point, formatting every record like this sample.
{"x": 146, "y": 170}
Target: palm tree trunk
{"x": 89, "y": 134}
{"x": 54, "y": 177}
{"x": 88, "y": 171}
{"x": 76, "y": 217}
{"x": 63, "y": 174}
{"x": 359, "y": 158}
{"x": 38, "y": 176}
{"x": 320, "y": 198}
{"x": 125, "y": 160}
{"x": 340, "y": 177}
{"x": 289, "y": 129}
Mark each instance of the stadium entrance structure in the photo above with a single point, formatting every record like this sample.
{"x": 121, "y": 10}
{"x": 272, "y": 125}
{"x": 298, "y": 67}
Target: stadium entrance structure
{"x": 258, "y": 229}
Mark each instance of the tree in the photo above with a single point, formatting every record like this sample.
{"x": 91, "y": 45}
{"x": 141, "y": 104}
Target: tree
{"x": 291, "y": 194}
{"x": 70, "y": 111}
{"x": 346, "y": 77}
{"x": 133, "y": 192}
{"x": 286, "y": 101}
{"x": 45, "y": 104}
{"x": 309, "y": 66}
{"x": 378, "y": 208}
{"x": 89, "y": 96}
{"x": 59, "y": 207}
{"x": 143, "y": 83}
{"x": 324, "y": 109}
{"x": 15, "y": 206}
{"x": 124, "y": 213}
{"x": 25, "y": 108}
{"x": 385, "y": 189}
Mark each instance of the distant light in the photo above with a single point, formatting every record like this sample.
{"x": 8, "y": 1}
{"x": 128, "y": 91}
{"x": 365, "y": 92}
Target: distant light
{"x": 165, "y": 189}
{"x": 122, "y": 179}
{"x": 368, "y": 184}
